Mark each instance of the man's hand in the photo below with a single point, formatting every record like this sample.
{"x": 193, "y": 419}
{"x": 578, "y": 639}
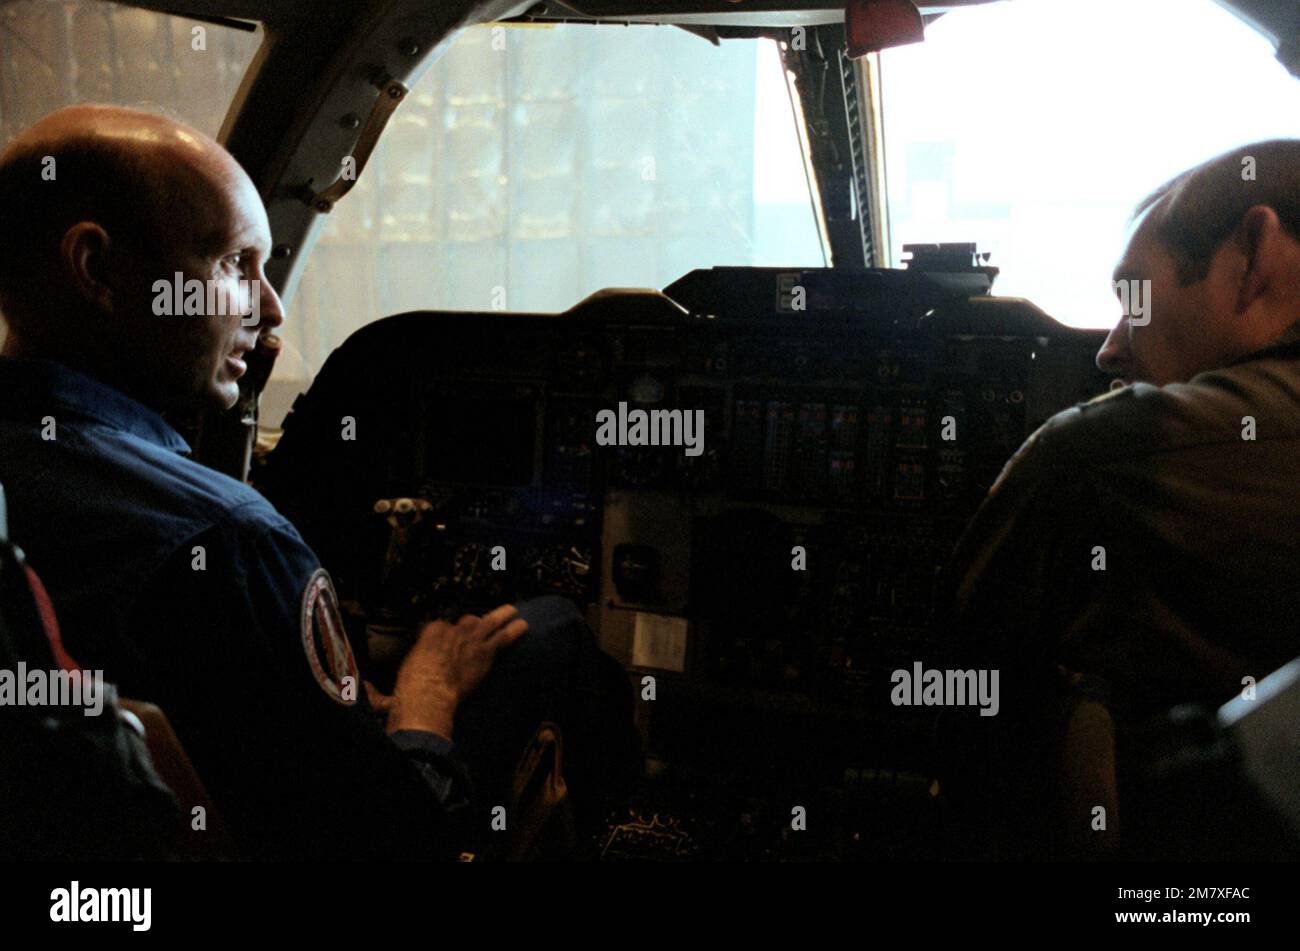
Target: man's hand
{"x": 445, "y": 665}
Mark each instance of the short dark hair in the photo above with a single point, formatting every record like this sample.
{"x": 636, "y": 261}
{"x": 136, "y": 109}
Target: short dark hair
{"x": 94, "y": 180}
{"x": 1195, "y": 212}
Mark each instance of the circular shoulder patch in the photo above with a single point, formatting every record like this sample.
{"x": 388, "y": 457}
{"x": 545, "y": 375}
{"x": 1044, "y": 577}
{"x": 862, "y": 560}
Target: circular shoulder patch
{"x": 325, "y": 642}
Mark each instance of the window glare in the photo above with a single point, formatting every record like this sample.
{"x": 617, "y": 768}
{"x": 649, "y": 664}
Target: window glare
{"x": 1034, "y": 127}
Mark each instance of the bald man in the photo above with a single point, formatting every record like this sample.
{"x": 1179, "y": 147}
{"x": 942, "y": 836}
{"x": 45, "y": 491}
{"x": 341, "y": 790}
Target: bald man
{"x": 185, "y": 586}
{"x": 1150, "y": 538}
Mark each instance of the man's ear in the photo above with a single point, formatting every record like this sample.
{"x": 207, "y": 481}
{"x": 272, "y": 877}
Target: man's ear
{"x": 1259, "y": 238}
{"x": 83, "y": 260}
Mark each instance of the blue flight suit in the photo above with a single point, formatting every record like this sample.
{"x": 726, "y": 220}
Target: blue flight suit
{"x": 189, "y": 590}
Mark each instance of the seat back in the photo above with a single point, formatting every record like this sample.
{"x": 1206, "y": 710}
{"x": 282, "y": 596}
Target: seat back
{"x": 78, "y": 787}
{"x": 204, "y": 835}
{"x": 1197, "y": 784}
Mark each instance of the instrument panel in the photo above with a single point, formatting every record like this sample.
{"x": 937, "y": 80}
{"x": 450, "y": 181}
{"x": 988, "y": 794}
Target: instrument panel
{"x": 740, "y": 492}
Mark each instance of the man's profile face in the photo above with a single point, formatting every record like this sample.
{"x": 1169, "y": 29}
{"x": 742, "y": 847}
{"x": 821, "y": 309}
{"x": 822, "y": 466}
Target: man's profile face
{"x": 1170, "y": 332}
{"x": 220, "y": 238}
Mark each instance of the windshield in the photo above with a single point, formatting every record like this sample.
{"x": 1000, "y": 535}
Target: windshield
{"x": 531, "y": 166}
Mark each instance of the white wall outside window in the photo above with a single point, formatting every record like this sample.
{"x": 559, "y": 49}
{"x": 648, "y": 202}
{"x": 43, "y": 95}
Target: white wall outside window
{"x": 1034, "y": 127}
{"x": 532, "y": 166}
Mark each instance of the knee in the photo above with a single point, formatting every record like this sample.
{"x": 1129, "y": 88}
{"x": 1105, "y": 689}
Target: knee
{"x": 557, "y": 636}
{"x": 549, "y": 615}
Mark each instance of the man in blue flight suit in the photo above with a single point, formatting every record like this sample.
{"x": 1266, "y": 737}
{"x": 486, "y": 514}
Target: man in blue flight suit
{"x": 185, "y": 586}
